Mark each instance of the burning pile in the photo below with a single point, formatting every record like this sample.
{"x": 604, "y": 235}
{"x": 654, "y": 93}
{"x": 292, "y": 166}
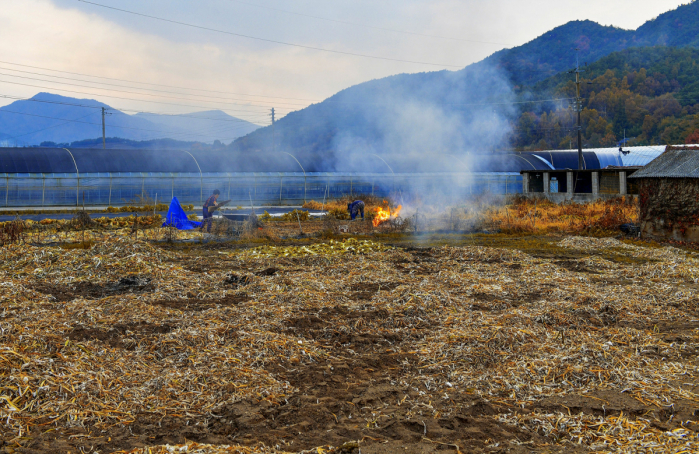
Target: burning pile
{"x": 382, "y": 215}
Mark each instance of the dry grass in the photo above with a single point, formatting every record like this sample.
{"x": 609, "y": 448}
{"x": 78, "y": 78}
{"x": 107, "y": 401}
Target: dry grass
{"x": 531, "y": 216}
{"x": 542, "y": 216}
{"x": 337, "y": 208}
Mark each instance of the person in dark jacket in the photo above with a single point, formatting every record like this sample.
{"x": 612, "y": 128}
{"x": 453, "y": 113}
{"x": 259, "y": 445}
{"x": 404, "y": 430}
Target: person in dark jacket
{"x": 356, "y": 208}
{"x": 208, "y": 215}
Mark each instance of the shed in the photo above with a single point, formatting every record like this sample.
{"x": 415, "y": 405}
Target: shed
{"x": 668, "y": 189}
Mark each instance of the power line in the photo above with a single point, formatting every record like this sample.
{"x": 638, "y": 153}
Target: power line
{"x": 232, "y": 119}
{"x": 208, "y": 107}
{"x": 100, "y": 124}
{"x": 265, "y": 39}
{"x": 367, "y": 26}
{"x": 136, "y": 88}
{"x": 186, "y": 94}
{"x": 54, "y": 126}
{"x": 106, "y": 96}
{"x": 157, "y": 85}
{"x": 138, "y": 93}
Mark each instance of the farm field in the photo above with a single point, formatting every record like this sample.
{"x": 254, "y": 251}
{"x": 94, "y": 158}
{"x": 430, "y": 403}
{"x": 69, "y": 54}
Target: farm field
{"x": 386, "y": 344}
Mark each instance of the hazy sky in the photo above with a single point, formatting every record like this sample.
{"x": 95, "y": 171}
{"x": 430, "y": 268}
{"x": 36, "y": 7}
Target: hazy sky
{"x": 77, "y": 37}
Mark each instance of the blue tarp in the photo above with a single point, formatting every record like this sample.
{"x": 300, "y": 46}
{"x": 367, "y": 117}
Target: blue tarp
{"x": 176, "y": 217}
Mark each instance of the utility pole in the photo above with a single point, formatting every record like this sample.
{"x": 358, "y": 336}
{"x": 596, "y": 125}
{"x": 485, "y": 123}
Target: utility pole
{"x": 273, "y": 138}
{"x": 578, "y": 108}
{"x": 104, "y": 140}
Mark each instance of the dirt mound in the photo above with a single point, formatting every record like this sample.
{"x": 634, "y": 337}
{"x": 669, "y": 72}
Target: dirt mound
{"x": 237, "y": 280}
{"x": 614, "y": 403}
{"x": 197, "y": 304}
{"x": 267, "y": 272}
{"x": 126, "y": 336}
{"x": 575, "y": 266}
{"x": 603, "y": 316}
{"x": 90, "y": 290}
{"x": 365, "y": 291}
{"x": 494, "y": 302}
{"x": 338, "y": 325}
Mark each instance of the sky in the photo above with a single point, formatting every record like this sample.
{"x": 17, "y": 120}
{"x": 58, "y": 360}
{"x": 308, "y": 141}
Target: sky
{"x": 138, "y": 63}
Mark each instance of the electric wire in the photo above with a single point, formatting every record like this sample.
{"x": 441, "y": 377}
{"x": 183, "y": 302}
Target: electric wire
{"x": 157, "y": 85}
{"x": 282, "y": 105}
{"x": 367, "y": 26}
{"x": 136, "y": 88}
{"x": 107, "y": 96}
{"x": 232, "y": 119}
{"x": 144, "y": 94}
{"x": 54, "y": 126}
{"x": 100, "y": 124}
{"x": 302, "y": 46}
{"x": 503, "y": 103}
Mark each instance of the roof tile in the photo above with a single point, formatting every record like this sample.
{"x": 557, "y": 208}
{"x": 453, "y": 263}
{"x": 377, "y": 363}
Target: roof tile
{"x": 674, "y": 163}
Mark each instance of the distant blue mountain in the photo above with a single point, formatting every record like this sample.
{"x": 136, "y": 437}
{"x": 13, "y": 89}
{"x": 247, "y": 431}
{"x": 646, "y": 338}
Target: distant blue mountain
{"x": 52, "y": 118}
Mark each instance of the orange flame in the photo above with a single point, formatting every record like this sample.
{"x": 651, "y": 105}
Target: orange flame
{"x": 383, "y": 215}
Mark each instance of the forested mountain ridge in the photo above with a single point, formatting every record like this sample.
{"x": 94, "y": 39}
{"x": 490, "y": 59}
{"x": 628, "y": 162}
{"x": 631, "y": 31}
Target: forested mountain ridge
{"x": 553, "y": 51}
{"x": 650, "y": 95}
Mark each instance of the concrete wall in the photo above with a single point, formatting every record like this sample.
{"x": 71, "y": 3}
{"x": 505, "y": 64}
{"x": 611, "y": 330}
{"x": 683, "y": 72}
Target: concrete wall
{"x": 578, "y": 198}
{"x": 569, "y": 195}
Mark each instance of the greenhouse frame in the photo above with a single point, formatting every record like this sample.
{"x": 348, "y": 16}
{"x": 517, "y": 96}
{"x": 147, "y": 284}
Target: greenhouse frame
{"x": 61, "y": 177}
{"x": 290, "y": 188}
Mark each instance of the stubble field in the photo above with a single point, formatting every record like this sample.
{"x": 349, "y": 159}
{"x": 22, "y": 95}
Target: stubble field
{"x": 454, "y": 344}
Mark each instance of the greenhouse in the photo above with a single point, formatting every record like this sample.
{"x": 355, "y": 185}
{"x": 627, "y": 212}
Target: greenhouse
{"x": 61, "y": 177}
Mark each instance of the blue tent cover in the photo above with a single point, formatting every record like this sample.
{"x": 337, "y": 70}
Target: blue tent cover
{"x": 176, "y": 217}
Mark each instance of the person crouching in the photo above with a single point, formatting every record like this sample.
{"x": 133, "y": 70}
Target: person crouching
{"x": 209, "y": 215}
{"x": 355, "y": 208}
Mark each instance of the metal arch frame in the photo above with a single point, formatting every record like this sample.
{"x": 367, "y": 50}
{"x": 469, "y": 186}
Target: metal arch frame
{"x": 389, "y": 168}
{"x": 304, "y": 174}
{"x": 550, "y": 164}
{"x": 77, "y": 173}
{"x": 467, "y": 170}
{"x": 499, "y": 179}
{"x": 459, "y": 159}
{"x": 526, "y": 160}
{"x": 201, "y": 177}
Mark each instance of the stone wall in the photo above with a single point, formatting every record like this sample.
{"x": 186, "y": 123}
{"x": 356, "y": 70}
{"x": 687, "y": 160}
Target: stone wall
{"x": 669, "y": 208}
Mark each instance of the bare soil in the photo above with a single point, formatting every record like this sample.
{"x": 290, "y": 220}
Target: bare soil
{"x": 125, "y": 336}
{"x": 197, "y": 304}
{"x": 90, "y": 290}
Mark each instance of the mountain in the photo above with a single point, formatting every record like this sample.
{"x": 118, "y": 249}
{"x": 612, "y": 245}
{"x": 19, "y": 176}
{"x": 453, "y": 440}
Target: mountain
{"x": 214, "y": 123}
{"x": 649, "y": 95}
{"x": 402, "y": 116}
{"x": 455, "y": 111}
{"x": 554, "y": 51}
{"x": 52, "y": 118}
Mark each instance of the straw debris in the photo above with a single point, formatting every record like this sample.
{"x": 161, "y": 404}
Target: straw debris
{"x": 346, "y": 346}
